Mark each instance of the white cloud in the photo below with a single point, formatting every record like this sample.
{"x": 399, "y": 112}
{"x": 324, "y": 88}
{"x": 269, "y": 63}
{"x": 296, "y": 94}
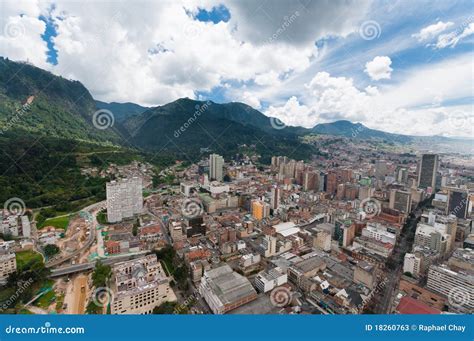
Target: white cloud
{"x": 248, "y": 98}
{"x": 155, "y": 53}
{"x": 379, "y": 68}
{"x": 432, "y": 31}
{"x": 453, "y": 38}
{"x": 268, "y": 78}
{"x": 411, "y": 106}
{"x": 21, "y": 30}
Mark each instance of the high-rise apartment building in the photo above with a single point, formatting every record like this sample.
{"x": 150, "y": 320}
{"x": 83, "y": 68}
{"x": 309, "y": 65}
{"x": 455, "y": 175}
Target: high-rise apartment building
{"x": 124, "y": 199}
{"x": 310, "y": 181}
{"x": 275, "y": 197}
{"x": 260, "y": 209}
{"x": 216, "y": 167}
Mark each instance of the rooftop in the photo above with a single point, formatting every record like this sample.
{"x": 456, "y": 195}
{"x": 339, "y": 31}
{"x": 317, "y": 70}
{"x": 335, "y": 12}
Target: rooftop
{"x": 228, "y": 285}
{"x": 410, "y": 305}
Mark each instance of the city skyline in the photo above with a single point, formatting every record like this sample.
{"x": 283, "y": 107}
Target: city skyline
{"x": 293, "y": 165}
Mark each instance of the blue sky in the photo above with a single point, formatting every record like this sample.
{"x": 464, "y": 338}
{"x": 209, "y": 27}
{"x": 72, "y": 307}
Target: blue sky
{"x": 305, "y": 62}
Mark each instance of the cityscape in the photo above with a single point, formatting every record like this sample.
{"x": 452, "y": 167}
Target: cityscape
{"x": 281, "y": 170}
{"x": 338, "y": 235}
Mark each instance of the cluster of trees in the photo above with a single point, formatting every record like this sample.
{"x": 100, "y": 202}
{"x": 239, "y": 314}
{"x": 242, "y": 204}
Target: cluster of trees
{"x": 50, "y": 250}
{"x": 174, "y": 265}
{"x": 21, "y": 285}
{"x": 100, "y": 279}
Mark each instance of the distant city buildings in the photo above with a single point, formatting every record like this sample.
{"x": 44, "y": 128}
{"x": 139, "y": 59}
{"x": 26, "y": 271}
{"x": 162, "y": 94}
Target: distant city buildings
{"x": 124, "y": 199}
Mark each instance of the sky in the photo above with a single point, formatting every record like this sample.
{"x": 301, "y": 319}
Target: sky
{"x": 399, "y": 66}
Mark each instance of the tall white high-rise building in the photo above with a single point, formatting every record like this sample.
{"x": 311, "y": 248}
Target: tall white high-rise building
{"x": 216, "y": 165}
{"x": 124, "y": 199}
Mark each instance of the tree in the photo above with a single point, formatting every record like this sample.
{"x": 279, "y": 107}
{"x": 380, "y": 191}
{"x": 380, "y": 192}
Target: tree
{"x": 165, "y": 308}
{"x": 93, "y": 308}
{"x": 101, "y": 274}
{"x": 51, "y": 250}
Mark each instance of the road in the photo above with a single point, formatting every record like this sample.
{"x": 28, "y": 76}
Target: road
{"x": 90, "y": 265}
{"x": 90, "y": 240}
{"x": 382, "y": 301}
{"x": 165, "y": 231}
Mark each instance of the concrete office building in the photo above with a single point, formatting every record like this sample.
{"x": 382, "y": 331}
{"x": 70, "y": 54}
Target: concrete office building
{"x": 124, "y": 199}
{"x": 457, "y": 286}
{"x": 400, "y": 200}
{"x": 139, "y": 286}
{"x": 434, "y": 237}
{"x": 458, "y": 202}
{"x": 412, "y": 264}
{"x": 270, "y": 279}
{"x": 428, "y": 171}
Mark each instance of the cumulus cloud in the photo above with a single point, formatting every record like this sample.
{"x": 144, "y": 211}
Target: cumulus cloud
{"x": 149, "y": 54}
{"x": 432, "y": 31}
{"x": 21, "y": 30}
{"x": 408, "y": 107}
{"x": 379, "y": 68}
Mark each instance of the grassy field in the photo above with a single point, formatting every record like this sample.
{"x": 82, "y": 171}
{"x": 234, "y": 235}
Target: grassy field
{"x": 58, "y": 222}
{"x": 25, "y": 257}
